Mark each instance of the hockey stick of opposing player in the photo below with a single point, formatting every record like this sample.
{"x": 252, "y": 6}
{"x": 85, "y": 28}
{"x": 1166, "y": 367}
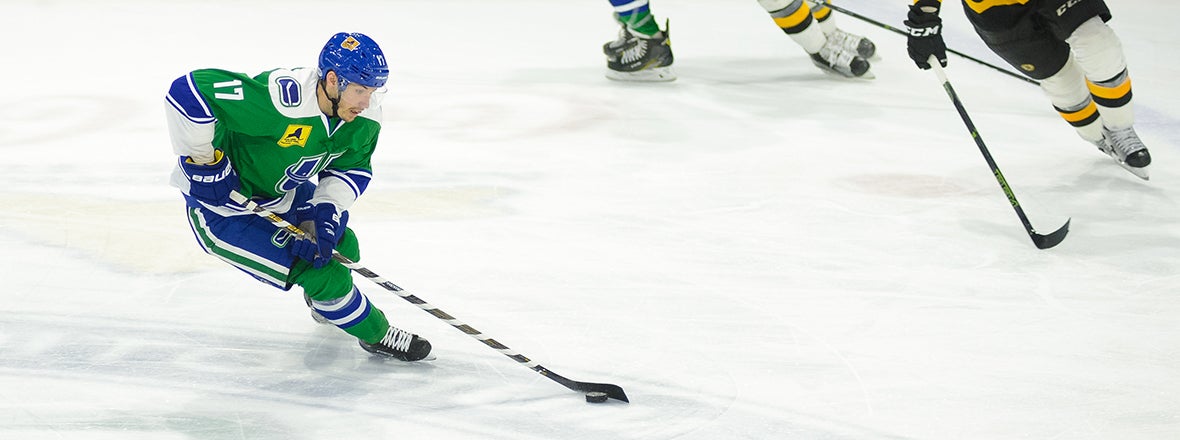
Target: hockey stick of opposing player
{"x": 612, "y": 391}
{"x": 891, "y": 28}
{"x": 1041, "y": 241}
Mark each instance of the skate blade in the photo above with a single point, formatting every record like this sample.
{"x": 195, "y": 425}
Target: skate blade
{"x": 378, "y": 357}
{"x": 868, "y": 75}
{"x": 1138, "y": 172}
{"x": 658, "y": 74}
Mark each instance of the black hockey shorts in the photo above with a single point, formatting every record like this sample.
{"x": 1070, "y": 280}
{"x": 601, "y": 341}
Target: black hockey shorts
{"x": 1031, "y": 36}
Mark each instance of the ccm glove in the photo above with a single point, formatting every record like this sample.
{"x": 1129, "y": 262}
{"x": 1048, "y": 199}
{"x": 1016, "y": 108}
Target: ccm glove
{"x": 213, "y": 182}
{"x": 324, "y": 226}
{"x": 925, "y": 30}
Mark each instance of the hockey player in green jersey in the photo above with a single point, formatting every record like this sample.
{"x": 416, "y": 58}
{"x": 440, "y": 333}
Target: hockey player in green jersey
{"x": 297, "y": 142}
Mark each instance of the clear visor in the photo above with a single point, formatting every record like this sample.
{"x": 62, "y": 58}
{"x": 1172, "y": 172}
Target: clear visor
{"x": 358, "y": 93}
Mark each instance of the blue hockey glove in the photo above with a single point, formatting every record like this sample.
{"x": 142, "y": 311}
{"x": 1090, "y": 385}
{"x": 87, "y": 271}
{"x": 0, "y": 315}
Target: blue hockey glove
{"x": 211, "y": 183}
{"x": 324, "y": 226}
{"x": 925, "y": 30}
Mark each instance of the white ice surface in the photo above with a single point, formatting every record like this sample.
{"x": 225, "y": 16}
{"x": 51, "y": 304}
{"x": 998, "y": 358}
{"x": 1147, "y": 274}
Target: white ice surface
{"x": 755, "y": 251}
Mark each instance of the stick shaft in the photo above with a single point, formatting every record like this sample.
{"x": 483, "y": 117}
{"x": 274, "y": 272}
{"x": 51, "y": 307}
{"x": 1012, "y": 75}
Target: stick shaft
{"x": 612, "y": 390}
{"x": 987, "y": 156}
{"x": 1041, "y": 241}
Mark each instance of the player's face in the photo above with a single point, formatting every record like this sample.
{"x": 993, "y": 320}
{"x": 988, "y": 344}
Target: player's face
{"x": 354, "y": 99}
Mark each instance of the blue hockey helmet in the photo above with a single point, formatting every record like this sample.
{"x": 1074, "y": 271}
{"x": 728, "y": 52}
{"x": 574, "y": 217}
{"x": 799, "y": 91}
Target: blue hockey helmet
{"x": 355, "y": 58}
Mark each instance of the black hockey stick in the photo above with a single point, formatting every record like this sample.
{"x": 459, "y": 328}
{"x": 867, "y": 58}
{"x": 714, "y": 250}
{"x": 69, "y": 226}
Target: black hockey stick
{"x": 611, "y": 391}
{"x": 1041, "y": 241}
{"x": 891, "y": 28}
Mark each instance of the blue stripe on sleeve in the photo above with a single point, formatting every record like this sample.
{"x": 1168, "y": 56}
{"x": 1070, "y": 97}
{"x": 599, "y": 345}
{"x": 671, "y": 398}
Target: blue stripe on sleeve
{"x": 356, "y": 179}
{"x": 185, "y": 98}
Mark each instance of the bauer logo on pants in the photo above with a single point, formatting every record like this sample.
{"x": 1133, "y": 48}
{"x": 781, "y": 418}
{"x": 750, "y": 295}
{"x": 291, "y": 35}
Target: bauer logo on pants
{"x": 295, "y": 135}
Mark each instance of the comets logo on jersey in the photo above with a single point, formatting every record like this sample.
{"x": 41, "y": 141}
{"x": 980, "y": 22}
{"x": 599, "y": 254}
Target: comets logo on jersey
{"x": 295, "y": 135}
{"x": 289, "y": 91}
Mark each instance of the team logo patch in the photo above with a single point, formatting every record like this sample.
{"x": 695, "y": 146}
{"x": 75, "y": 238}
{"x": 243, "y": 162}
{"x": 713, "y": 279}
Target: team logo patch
{"x": 295, "y": 135}
{"x": 289, "y": 91}
{"x": 350, "y": 43}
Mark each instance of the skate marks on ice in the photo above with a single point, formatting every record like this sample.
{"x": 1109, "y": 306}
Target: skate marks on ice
{"x": 87, "y": 377}
{"x": 106, "y": 378}
{"x": 164, "y": 380}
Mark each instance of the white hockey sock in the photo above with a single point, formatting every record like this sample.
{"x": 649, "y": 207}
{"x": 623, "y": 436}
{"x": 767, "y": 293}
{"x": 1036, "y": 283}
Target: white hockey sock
{"x": 1100, "y": 55}
{"x": 1069, "y": 94}
{"x": 794, "y": 17}
{"x": 1098, "y": 50}
{"x": 828, "y": 23}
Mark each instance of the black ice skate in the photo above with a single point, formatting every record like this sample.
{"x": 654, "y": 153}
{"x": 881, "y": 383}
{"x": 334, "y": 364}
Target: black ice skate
{"x": 1124, "y": 147}
{"x": 399, "y": 344}
{"x": 638, "y": 57}
{"x": 834, "y": 57}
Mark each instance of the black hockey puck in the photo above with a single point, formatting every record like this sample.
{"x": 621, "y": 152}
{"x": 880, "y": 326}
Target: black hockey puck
{"x": 596, "y": 397}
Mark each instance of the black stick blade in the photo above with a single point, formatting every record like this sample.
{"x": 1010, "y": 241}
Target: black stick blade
{"x": 1048, "y": 241}
{"x": 612, "y": 391}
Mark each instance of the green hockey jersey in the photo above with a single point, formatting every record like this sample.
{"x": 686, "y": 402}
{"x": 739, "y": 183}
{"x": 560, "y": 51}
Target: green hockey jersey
{"x": 271, "y": 128}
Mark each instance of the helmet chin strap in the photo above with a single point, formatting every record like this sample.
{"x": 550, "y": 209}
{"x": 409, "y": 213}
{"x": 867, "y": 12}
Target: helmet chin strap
{"x": 335, "y": 102}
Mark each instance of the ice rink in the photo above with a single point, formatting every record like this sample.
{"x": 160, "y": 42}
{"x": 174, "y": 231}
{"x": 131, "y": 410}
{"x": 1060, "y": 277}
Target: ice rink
{"x": 758, "y": 250}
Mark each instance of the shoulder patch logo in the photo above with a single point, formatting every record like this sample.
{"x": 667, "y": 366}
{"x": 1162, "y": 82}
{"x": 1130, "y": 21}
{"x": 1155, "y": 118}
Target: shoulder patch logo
{"x": 295, "y": 135}
{"x": 289, "y": 91}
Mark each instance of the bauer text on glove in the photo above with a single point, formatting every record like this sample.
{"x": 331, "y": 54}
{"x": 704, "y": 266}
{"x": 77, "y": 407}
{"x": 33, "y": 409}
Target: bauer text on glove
{"x": 211, "y": 183}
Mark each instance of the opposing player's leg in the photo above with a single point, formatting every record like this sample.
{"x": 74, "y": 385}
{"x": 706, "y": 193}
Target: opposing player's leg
{"x": 642, "y": 52}
{"x": 1031, "y": 43}
{"x": 795, "y": 18}
{"x": 849, "y": 41}
{"x": 1099, "y": 53}
{"x": 1071, "y": 98}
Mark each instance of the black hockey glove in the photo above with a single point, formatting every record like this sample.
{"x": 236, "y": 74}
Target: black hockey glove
{"x": 925, "y": 34}
{"x": 211, "y": 183}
